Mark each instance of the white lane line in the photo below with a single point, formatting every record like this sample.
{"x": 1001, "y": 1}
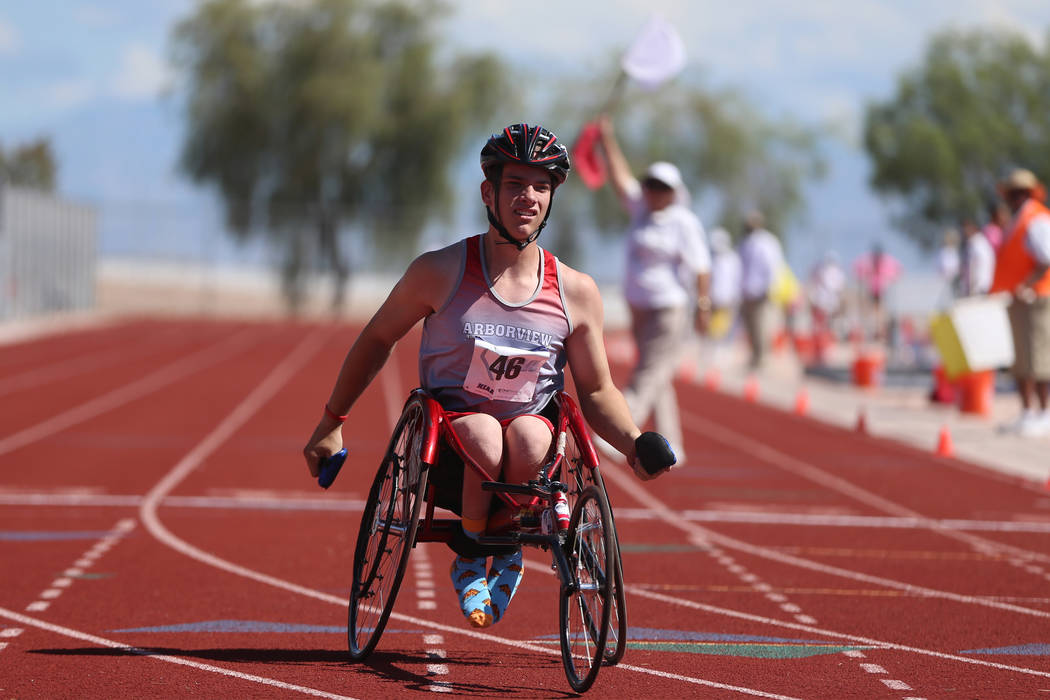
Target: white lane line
{"x": 702, "y": 537}
{"x": 38, "y": 606}
{"x": 873, "y": 668}
{"x": 857, "y": 639}
{"x": 152, "y": 382}
{"x": 100, "y": 641}
{"x": 895, "y": 685}
{"x": 10, "y": 631}
{"x": 737, "y": 440}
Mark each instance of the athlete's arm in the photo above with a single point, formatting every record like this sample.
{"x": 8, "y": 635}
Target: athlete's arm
{"x": 623, "y": 180}
{"x": 422, "y": 289}
{"x": 602, "y": 403}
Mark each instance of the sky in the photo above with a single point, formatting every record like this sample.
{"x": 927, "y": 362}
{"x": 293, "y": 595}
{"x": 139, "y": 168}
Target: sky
{"x": 93, "y": 77}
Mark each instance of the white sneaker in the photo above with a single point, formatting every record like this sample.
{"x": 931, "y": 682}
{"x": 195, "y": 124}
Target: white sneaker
{"x": 1018, "y": 425}
{"x": 1036, "y": 424}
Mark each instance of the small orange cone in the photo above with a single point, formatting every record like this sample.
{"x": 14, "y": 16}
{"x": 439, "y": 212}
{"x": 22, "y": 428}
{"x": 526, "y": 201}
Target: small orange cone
{"x": 862, "y": 422}
{"x": 751, "y": 389}
{"x": 712, "y": 379}
{"x": 802, "y": 402}
{"x": 944, "y": 443}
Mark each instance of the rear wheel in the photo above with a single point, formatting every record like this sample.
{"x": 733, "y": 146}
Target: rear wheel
{"x": 388, "y": 531}
{"x": 580, "y": 475}
{"x": 585, "y": 609}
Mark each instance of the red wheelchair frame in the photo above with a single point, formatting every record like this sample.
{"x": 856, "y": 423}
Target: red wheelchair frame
{"x": 586, "y": 558}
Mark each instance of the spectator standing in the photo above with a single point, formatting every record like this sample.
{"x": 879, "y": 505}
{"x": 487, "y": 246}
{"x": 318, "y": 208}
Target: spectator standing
{"x": 824, "y": 289}
{"x": 761, "y": 259}
{"x": 998, "y": 221}
{"x": 876, "y": 271}
{"x": 1023, "y": 270}
{"x": 667, "y": 277}
{"x": 978, "y": 261}
{"x": 725, "y": 282}
{"x": 948, "y": 260}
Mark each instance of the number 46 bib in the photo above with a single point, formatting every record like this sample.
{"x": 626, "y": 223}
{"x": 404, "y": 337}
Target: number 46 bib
{"x": 502, "y": 373}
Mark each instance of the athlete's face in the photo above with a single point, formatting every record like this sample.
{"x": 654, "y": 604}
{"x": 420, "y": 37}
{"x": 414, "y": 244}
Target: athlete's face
{"x": 524, "y": 198}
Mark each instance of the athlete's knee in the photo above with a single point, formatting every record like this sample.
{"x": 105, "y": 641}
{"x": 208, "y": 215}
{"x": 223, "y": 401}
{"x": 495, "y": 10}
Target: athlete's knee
{"x": 528, "y": 441}
{"x": 482, "y": 437}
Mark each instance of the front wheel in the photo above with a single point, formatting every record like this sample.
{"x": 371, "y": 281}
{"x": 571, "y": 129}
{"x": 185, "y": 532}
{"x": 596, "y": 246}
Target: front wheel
{"x": 388, "y": 531}
{"x": 585, "y": 609}
{"x": 580, "y": 475}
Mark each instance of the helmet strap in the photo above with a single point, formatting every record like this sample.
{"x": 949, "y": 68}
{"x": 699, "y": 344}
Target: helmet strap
{"x": 502, "y": 231}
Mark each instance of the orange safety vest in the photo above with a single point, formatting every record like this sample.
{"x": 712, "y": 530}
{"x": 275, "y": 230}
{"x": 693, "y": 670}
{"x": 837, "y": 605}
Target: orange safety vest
{"x": 1014, "y": 263}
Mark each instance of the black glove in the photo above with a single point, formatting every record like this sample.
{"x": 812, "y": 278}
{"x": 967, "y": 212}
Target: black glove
{"x": 654, "y": 452}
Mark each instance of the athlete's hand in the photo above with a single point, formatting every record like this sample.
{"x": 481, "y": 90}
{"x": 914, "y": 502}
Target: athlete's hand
{"x": 653, "y": 456}
{"x": 326, "y": 440}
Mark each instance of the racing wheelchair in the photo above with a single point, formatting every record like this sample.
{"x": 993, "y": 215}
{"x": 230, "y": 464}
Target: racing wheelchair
{"x": 399, "y": 513}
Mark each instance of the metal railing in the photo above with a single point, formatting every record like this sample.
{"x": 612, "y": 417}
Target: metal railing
{"x": 48, "y": 254}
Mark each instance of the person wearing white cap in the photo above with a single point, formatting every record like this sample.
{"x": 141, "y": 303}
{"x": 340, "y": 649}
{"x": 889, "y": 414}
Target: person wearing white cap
{"x": 667, "y": 277}
{"x": 1023, "y": 270}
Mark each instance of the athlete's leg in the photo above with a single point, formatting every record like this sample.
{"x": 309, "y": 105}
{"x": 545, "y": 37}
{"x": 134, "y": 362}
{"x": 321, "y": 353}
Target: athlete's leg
{"x": 482, "y": 438}
{"x": 527, "y": 441}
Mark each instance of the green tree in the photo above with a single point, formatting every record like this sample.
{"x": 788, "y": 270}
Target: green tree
{"x": 733, "y": 158}
{"x": 29, "y": 165}
{"x": 315, "y": 117}
{"x": 975, "y": 107}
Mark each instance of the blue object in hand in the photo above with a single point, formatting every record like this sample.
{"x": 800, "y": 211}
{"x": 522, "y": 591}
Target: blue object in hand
{"x": 654, "y": 452}
{"x": 330, "y": 466}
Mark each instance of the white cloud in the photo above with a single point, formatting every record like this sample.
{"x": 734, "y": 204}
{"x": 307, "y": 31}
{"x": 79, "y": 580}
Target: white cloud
{"x": 9, "y": 40}
{"x": 143, "y": 74}
{"x": 95, "y": 16}
{"x": 66, "y": 94}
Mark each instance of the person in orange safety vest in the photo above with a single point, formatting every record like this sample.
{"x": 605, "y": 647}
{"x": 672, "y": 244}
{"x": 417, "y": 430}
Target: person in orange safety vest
{"x": 1023, "y": 269}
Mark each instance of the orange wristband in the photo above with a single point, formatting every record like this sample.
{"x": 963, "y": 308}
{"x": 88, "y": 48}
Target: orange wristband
{"x": 333, "y": 415}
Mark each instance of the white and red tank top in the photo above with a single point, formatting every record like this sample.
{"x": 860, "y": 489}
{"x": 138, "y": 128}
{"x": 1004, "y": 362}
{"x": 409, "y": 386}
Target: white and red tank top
{"x": 481, "y": 353}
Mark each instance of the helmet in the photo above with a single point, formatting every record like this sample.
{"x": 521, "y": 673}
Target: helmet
{"x": 533, "y": 146}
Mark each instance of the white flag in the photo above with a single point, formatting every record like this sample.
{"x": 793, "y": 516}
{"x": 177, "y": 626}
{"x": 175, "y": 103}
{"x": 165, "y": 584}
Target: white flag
{"x": 656, "y": 55}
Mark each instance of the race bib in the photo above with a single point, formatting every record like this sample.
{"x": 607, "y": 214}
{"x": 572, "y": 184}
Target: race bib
{"x": 504, "y": 374}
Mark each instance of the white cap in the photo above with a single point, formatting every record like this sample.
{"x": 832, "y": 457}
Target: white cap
{"x": 666, "y": 173}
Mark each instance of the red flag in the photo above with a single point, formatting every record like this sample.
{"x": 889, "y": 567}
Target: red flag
{"x": 586, "y": 160}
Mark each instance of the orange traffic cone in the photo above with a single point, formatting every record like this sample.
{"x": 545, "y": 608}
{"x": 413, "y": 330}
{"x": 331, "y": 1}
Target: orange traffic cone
{"x": 751, "y": 389}
{"x": 862, "y": 422}
{"x": 944, "y": 443}
{"x": 802, "y": 402}
{"x": 712, "y": 379}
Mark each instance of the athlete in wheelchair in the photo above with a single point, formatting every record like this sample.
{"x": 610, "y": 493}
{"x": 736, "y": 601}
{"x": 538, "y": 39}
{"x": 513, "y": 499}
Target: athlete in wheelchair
{"x": 502, "y": 318}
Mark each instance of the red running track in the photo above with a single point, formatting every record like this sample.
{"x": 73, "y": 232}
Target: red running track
{"x": 160, "y": 537}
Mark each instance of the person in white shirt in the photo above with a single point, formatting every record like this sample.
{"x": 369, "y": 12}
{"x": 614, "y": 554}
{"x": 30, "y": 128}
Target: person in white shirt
{"x": 725, "y": 272}
{"x": 667, "y": 277}
{"x": 948, "y": 259}
{"x": 824, "y": 289}
{"x": 761, "y": 258}
{"x": 978, "y": 261}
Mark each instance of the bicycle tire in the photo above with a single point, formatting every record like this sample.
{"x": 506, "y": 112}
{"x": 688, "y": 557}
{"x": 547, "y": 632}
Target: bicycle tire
{"x": 584, "y": 612}
{"x": 387, "y": 533}
{"x": 580, "y": 476}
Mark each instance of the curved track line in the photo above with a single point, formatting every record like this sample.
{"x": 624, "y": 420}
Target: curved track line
{"x": 701, "y": 535}
{"x": 740, "y": 441}
{"x": 158, "y": 379}
{"x": 103, "y": 642}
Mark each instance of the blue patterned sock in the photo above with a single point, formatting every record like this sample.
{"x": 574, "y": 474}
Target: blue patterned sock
{"x": 504, "y": 577}
{"x": 468, "y": 578}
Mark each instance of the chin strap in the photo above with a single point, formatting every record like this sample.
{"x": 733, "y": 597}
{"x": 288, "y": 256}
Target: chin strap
{"x": 502, "y": 231}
